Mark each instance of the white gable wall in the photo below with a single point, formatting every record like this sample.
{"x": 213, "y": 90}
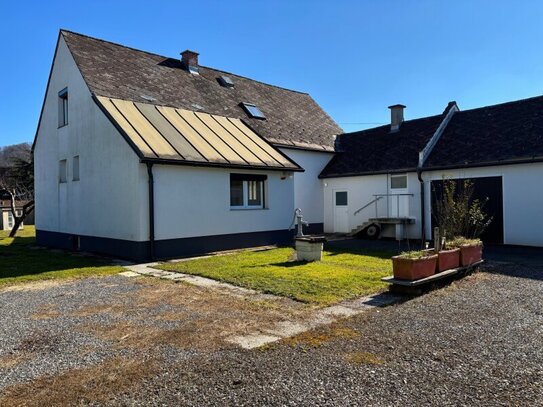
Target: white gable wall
{"x": 104, "y": 202}
{"x": 308, "y": 190}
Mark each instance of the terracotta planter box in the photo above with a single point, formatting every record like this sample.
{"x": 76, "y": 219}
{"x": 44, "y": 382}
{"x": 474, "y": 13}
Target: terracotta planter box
{"x": 471, "y": 254}
{"x": 414, "y": 269}
{"x": 448, "y": 259}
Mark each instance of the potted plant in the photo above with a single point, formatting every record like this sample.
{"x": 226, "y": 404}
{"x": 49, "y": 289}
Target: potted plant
{"x": 414, "y": 265}
{"x": 448, "y": 258}
{"x": 471, "y": 250}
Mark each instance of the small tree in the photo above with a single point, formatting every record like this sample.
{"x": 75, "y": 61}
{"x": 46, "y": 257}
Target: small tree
{"x": 17, "y": 184}
{"x": 457, "y": 213}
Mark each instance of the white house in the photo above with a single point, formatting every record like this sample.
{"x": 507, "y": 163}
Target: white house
{"x": 382, "y": 180}
{"x": 143, "y": 156}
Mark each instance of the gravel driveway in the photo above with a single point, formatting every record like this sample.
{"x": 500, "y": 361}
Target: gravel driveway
{"x": 123, "y": 341}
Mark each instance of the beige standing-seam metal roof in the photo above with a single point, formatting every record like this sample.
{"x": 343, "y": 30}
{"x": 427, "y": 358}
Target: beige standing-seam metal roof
{"x": 177, "y": 136}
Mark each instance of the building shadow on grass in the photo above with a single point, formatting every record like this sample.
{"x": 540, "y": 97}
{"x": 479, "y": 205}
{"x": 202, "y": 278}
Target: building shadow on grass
{"x": 20, "y": 257}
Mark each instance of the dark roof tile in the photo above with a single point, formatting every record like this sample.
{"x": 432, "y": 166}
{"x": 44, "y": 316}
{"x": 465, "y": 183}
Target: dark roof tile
{"x": 378, "y": 150}
{"x": 492, "y": 134}
{"x": 112, "y": 70}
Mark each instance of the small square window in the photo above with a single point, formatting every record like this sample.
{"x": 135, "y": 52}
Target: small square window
{"x": 75, "y": 169}
{"x": 62, "y": 169}
{"x": 341, "y": 198}
{"x": 398, "y": 182}
{"x": 253, "y": 111}
{"x": 63, "y": 107}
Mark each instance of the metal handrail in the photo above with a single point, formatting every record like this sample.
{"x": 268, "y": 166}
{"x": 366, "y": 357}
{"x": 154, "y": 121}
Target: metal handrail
{"x": 368, "y": 204}
{"x": 381, "y": 196}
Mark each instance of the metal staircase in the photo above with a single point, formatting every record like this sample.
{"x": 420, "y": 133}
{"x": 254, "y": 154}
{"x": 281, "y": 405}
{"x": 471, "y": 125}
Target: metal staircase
{"x": 379, "y": 221}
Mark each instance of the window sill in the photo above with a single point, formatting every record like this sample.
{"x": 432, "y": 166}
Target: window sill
{"x": 248, "y": 209}
{"x": 64, "y": 125}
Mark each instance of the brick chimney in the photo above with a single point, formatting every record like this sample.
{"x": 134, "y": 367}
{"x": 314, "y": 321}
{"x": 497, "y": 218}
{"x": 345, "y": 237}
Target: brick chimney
{"x": 396, "y": 117}
{"x": 190, "y": 60}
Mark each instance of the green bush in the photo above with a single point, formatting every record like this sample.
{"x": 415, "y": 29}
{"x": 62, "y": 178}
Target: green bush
{"x": 457, "y": 213}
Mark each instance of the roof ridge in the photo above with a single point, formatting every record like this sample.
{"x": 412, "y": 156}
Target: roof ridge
{"x": 387, "y": 125}
{"x": 62, "y": 30}
{"x": 502, "y": 103}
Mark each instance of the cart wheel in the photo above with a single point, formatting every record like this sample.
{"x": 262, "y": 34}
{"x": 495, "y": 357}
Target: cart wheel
{"x": 372, "y": 231}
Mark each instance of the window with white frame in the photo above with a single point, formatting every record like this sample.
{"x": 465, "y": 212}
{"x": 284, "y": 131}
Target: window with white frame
{"x": 75, "y": 169}
{"x": 398, "y": 181}
{"x": 63, "y": 107}
{"x": 10, "y": 220}
{"x": 62, "y": 171}
{"x": 247, "y": 191}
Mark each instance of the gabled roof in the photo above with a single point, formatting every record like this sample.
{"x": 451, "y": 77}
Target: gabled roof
{"x": 504, "y": 133}
{"x": 176, "y": 136}
{"x": 112, "y": 70}
{"x": 378, "y": 150}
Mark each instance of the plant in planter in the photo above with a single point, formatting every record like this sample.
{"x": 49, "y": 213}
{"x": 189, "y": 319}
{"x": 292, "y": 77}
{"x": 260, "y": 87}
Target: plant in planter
{"x": 414, "y": 265}
{"x": 448, "y": 258}
{"x": 458, "y": 214}
{"x": 471, "y": 250}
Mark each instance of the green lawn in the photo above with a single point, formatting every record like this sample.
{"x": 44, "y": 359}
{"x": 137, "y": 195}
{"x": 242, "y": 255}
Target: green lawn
{"x": 338, "y": 276}
{"x": 20, "y": 261}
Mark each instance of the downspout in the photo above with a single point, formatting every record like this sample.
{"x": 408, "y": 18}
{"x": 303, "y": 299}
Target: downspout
{"x": 422, "y": 206}
{"x": 151, "y": 211}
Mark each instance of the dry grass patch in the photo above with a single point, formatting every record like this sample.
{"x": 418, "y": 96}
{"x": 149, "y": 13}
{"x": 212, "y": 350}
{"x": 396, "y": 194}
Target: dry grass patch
{"x": 95, "y": 384}
{"x": 316, "y": 338}
{"x": 186, "y": 316}
{"x": 46, "y": 312}
{"x": 14, "y": 359}
{"x": 363, "y": 358}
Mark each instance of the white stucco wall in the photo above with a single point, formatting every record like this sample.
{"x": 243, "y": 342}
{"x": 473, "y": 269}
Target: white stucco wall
{"x": 104, "y": 202}
{"x": 361, "y": 190}
{"x": 195, "y": 201}
{"x": 522, "y": 199}
{"x": 308, "y": 191}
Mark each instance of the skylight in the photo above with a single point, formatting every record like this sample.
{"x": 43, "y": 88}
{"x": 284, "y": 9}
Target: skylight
{"x": 194, "y": 70}
{"x": 226, "y": 81}
{"x": 253, "y": 111}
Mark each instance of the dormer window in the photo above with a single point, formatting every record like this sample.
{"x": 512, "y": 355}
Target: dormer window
{"x": 63, "y": 107}
{"x": 253, "y": 111}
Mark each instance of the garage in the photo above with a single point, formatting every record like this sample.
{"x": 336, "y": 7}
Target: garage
{"x": 489, "y": 189}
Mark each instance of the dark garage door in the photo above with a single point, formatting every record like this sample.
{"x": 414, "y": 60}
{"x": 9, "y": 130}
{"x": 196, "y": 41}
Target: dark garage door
{"x": 490, "y": 187}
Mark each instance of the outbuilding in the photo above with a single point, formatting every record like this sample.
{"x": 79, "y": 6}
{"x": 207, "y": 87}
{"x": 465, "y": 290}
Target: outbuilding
{"x": 383, "y": 181}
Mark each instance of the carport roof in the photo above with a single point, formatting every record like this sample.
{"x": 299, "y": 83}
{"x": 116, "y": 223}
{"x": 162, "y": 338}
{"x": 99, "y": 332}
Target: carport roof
{"x": 177, "y": 136}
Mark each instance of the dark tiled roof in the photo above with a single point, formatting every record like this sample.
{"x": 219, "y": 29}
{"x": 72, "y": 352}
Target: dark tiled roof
{"x": 112, "y": 70}
{"x": 378, "y": 150}
{"x": 510, "y": 131}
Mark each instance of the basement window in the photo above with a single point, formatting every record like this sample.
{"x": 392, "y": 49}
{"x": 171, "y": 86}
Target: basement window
{"x": 253, "y": 111}
{"x": 247, "y": 191}
{"x": 63, "y": 107}
{"x": 62, "y": 171}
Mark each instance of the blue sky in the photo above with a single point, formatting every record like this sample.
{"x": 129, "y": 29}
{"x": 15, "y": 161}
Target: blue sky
{"x": 354, "y": 57}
